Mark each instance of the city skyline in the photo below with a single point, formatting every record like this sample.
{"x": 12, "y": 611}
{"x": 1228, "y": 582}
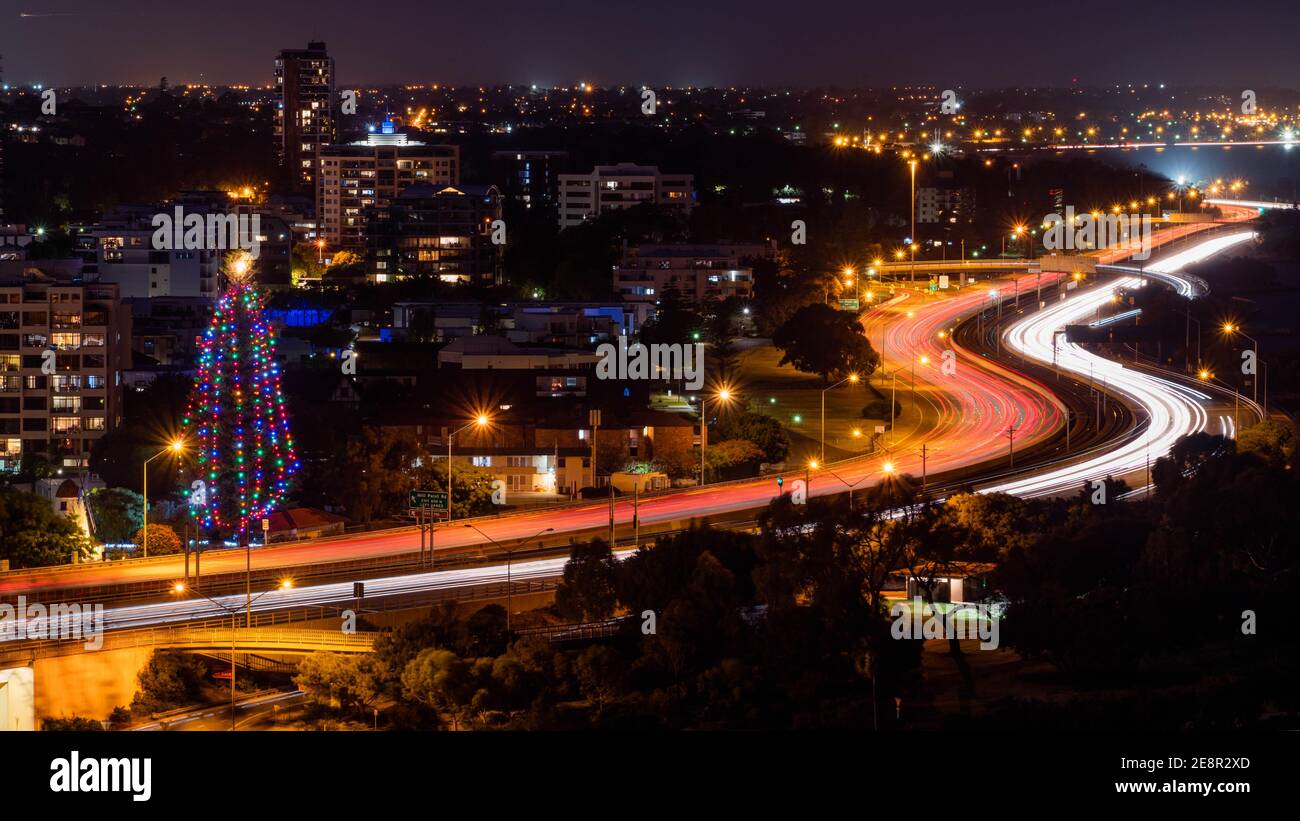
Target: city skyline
{"x": 842, "y": 44}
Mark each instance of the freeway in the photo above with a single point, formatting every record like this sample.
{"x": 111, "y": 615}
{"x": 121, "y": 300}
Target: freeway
{"x": 975, "y": 405}
{"x": 1171, "y": 406}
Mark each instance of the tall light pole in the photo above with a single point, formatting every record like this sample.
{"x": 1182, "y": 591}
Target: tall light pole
{"x": 852, "y": 378}
{"x": 1231, "y": 328}
{"x": 480, "y": 421}
{"x": 509, "y": 557}
{"x": 285, "y": 584}
{"x": 723, "y": 395}
{"x": 911, "y": 164}
{"x": 174, "y": 448}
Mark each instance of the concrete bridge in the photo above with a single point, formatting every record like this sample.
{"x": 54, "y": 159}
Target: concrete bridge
{"x": 94, "y": 680}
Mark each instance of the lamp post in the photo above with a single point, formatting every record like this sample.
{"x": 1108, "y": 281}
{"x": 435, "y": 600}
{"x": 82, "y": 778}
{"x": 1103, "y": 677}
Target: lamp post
{"x": 853, "y": 378}
{"x": 723, "y": 395}
{"x": 480, "y": 421}
{"x": 285, "y": 584}
{"x": 911, "y": 164}
{"x": 1230, "y": 328}
{"x": 175, "y": 448}
{"x": 509, "y": 556}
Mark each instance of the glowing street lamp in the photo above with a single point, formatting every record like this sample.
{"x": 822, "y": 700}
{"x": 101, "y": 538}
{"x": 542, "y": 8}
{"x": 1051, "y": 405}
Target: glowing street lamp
{"x": 175, "y": 448}
{"x": 481, "y": 422}
{"x": 851, "y": 379}
{"x": 724, "y": 395}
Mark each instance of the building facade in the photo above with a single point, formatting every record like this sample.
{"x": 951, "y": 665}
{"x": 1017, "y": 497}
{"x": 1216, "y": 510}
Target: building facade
{"x": 615, "y": 187}
{"x": 304, "y": 116}
{"x": 531, "y": 178}
{"x": 62, "y": 350}
{"x": 700, "y": 273}
{"x": 431, "y": 231}
{"x": 370, "y": 173}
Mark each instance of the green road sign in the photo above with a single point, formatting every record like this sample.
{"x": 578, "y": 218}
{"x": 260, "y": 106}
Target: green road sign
{"x": 435, "y": 499}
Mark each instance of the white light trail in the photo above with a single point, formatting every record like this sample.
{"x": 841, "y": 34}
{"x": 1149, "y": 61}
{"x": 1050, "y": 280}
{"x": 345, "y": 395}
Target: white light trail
{"x": 1172, "y": 409}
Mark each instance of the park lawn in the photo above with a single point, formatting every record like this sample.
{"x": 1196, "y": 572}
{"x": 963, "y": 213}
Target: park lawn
{"x": 789, "y": 395}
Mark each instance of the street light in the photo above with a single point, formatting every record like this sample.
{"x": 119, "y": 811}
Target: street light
{"x": 285, "y": 584}
{"x": 509, "y": 557}
{"x": 1232, "y": 328}
{"x": 175, "y": 448}
{"x": 851, "y": 378}
{"x": 481, "y": 421}
{"x": 723, "y": 395}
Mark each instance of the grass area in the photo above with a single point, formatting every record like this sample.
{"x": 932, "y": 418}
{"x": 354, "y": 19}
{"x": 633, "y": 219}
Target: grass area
{"x": 794, "y": 399}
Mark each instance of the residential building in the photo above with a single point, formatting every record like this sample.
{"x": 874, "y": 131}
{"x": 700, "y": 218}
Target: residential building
{"x": 371, "y": 173}
{"x": 304, "y": 116}
{"x": 531, "y": 178}
{"x": 700, "y": 273}
{"x": 63, "y": 348}
{"x": 615, "y": 187}
{"x": 440, "y": 231}
{"x": 943, "y": 204}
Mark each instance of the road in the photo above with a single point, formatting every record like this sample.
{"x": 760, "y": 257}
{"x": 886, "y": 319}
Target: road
{"x": 977, "y": 402}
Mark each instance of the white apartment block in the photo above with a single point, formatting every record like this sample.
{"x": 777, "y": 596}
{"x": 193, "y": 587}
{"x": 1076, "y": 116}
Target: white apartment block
{"x": 614, "y": 187}
{"x": 700, "y": 273}
{"x": 370, "y": 173}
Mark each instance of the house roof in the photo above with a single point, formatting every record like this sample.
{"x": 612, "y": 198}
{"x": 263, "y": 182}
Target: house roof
{"x": 302, "y": 518}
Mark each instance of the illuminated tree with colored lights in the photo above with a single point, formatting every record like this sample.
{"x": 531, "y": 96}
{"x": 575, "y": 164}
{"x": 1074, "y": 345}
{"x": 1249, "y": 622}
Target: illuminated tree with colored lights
{"x": 237, "y": 418}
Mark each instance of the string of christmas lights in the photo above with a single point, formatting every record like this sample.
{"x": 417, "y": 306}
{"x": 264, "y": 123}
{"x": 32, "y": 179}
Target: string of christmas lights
{"x": 238, "y": 419}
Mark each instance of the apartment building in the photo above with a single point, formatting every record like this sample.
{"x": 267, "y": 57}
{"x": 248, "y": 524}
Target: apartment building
{"x": 304, "y": 117}
{"x": 700, "y": 273}
{"x": 440, "y": 231}
{"x": 371, "y": 173}
{"x": 62, "y": 350}
{"x": 532, "y": 178}
{"x": 624, "y": 185}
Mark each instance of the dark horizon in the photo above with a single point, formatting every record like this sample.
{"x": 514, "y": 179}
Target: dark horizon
{"x": 674, "y": 43}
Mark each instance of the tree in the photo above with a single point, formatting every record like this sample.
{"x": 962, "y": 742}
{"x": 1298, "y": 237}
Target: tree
{"x": 675, "y": 322}
{"x": 237, "y": 417}
{"x": 348, "y": 682}
{"x": 163, "y": 541}
{"x": 819, "y": 339}
{"x": 730, "y": 453}
{"x": 440, "y": 680}
{"x": 33, "y": 535}
{"x": 586, "y": 591}
{"x": 1272, "y": 441}
{"x": 117, "y": 513}
{"x": 759, "y": 428}
{"x": 170, "y": 679}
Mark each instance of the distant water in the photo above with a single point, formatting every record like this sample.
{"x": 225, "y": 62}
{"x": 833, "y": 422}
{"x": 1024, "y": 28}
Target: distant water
{"x": 1273, "y": 171}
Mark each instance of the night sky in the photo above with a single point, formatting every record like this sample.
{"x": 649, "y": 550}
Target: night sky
{"x": 660, "y": 42}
